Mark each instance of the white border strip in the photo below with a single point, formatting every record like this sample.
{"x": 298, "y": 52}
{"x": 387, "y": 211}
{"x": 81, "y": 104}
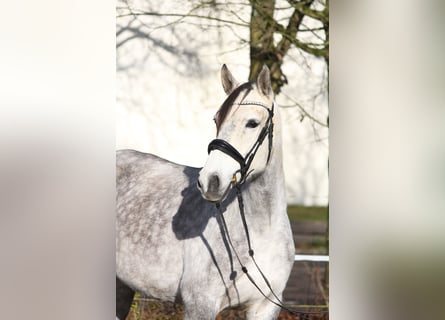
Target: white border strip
{"x": 307, "y": 257}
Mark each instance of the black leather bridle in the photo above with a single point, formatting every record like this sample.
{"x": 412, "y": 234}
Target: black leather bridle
{"x": 245, "y": 162}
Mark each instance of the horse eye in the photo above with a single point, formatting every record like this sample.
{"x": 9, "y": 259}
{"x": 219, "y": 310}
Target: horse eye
{"x": 252, "y": 123}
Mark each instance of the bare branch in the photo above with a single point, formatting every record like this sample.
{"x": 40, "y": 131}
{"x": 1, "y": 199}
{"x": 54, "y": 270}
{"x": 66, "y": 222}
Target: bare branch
{"x": 304, "y": 8}
{"x": 305, "y": 113}
{"x": 290, "y": 33}
{"x": 182, "y": 16}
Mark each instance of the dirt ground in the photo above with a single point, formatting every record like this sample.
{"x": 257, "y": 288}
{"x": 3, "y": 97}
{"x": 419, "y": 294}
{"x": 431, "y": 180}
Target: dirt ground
{"x": 156, "y": 310}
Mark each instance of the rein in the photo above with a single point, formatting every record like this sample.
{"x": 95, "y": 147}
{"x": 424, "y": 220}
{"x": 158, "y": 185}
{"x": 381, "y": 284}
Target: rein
{"x": 278, "y": 301}
{"x": 245, "y": 162}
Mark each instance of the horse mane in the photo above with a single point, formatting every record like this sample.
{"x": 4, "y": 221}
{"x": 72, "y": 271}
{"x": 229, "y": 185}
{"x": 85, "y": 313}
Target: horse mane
{"x": 228, "y": 103}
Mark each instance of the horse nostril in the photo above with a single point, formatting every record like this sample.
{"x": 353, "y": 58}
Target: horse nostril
{"x": 199, "y": 185}
{"x": 214, "y": 183}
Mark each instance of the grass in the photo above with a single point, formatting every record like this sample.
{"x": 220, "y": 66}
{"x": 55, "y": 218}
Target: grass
{"x": 314, "y": 246}
{"x": 302, "y": 213}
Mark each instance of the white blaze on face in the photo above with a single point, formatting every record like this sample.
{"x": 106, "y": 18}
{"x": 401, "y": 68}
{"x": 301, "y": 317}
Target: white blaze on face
{"x": 216, "y": 176}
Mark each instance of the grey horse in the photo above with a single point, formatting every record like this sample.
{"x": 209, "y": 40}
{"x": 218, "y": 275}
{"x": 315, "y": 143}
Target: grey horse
{"x": 173, "y": 243}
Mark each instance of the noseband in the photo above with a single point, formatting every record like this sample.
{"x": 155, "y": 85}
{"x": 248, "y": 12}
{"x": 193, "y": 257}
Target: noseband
{"x": 245, "y": 162}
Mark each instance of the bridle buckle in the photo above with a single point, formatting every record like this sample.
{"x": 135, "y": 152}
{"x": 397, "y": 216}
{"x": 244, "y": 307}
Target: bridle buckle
{"x": 234, "y": 181}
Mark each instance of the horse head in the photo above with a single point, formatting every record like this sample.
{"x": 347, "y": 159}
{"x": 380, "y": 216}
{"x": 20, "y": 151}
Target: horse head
{"x": 243, "y": 123}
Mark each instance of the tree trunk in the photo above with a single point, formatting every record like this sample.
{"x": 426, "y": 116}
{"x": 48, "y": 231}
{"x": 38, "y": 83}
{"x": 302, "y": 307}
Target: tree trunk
{"x": 262, "y": 49}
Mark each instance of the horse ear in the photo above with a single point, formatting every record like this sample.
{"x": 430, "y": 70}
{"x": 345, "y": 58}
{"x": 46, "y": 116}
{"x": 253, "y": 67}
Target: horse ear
{"x": 229, "y": 83}
{"x": 263, "y": 81}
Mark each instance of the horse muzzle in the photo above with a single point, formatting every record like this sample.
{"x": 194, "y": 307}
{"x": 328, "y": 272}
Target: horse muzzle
{"x": 212, "y": 188}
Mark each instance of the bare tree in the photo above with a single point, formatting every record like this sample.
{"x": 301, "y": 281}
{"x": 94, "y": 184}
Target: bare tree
{"x": 264, "y": 28}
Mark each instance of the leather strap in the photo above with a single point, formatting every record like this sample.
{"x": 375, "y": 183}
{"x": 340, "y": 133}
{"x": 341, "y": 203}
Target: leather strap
{"x": 227, "y": 148}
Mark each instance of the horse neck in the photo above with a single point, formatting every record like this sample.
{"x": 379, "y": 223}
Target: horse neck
{"x": 269, "y": 187}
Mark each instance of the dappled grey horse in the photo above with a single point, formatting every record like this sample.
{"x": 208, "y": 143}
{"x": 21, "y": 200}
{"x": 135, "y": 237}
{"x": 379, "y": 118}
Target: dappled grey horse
{"x": 173, "y": 243}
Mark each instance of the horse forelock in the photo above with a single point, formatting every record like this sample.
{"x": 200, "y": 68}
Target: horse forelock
{"x": 228, "y": 103}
